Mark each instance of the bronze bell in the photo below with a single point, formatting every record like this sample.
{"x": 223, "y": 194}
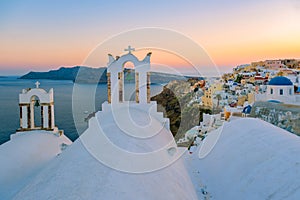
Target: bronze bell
{"x": 37, "y": 103}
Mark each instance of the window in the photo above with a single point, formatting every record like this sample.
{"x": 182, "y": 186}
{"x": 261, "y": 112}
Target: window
{"x": 271, "y": 91}
{"x": 290, "y": 91}
{"x": 281, "y": 92}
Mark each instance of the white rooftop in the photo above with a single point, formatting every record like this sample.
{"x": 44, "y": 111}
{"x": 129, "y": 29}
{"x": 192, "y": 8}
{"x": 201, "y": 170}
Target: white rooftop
{"x": 77, "y": 174}
{"x": 24, "y": 156}
{"x": 251, "y": 160}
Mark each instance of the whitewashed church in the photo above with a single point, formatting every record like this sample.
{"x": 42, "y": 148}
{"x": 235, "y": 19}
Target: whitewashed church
{"x": 127, "y": 151}
{"x": 138, "y": 119}
{"x": 281, "y": 90}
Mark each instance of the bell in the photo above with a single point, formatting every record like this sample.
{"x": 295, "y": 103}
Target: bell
{"x": 37, "y": 103}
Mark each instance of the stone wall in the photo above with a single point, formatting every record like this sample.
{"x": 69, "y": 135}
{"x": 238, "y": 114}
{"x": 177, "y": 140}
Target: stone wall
{"x": 282, "y": 115}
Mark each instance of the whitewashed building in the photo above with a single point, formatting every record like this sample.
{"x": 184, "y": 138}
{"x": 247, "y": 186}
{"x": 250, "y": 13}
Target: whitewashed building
{"x": 124, "y": 153}
{"x": 281, "y": 90}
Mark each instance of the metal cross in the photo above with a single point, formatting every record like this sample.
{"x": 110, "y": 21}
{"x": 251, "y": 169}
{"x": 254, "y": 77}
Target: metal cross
{"x": 129, "y": 49}
{"x": 37, "y": 84}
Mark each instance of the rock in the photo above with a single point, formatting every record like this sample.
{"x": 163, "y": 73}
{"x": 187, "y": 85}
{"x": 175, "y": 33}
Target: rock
{"x": 174, "y": 102}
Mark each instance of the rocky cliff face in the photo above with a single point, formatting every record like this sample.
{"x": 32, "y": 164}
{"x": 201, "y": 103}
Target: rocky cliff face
{"x": 82, "y": 74}
{"x": 62, "y": 73}
{"x": 87, "y": 74}
{"x": 174, "y": 102}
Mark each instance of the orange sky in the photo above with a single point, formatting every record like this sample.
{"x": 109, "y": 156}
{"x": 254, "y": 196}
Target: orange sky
{"x": 41, "y": 36}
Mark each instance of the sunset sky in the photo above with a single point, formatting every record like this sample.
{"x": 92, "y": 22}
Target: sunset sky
{"x": 41, "y": 35}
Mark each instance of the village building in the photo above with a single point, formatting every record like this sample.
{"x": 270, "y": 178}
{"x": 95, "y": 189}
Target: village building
{"x": 279, "y": 89}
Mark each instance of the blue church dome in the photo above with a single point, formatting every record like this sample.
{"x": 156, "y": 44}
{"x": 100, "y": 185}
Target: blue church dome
{"x": 280, "y": 80}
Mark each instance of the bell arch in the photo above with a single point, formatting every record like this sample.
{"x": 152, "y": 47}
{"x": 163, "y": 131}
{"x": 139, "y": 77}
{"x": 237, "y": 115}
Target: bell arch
{"x": 115, "y": 77}
{"x": 129, "y": 77}
{"x": 36, "y": 116}
{"x": 36, "y": 97}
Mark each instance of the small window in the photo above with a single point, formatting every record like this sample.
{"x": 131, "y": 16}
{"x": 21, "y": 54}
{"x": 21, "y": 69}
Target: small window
{"x": 271, "y": 90}
{"x": 281, "y": 92}
{"x": 290, "y": 91}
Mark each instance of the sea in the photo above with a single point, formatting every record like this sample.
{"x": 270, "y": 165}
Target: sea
{"x": 11, "y": 87}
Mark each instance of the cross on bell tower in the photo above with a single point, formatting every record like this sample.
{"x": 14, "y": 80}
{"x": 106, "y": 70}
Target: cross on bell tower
{"x": 37, "y": 84}
{"x": 129, "y": 49}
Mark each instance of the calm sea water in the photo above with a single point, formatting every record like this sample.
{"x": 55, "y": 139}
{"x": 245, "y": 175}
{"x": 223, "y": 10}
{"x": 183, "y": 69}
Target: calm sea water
{"x": 9, "y": 96}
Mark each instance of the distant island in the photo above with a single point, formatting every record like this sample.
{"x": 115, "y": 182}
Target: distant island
{"x": 96, "y": 75}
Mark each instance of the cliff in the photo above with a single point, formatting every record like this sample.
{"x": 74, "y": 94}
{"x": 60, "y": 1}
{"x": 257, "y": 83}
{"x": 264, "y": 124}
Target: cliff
{"x": 176, "y": 102}
{"x": 95, "y": 75}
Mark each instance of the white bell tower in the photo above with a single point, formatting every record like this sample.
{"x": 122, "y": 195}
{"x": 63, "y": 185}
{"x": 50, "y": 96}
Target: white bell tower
{"x": 34, "y": 97}
{"x": 115, "y": 77}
